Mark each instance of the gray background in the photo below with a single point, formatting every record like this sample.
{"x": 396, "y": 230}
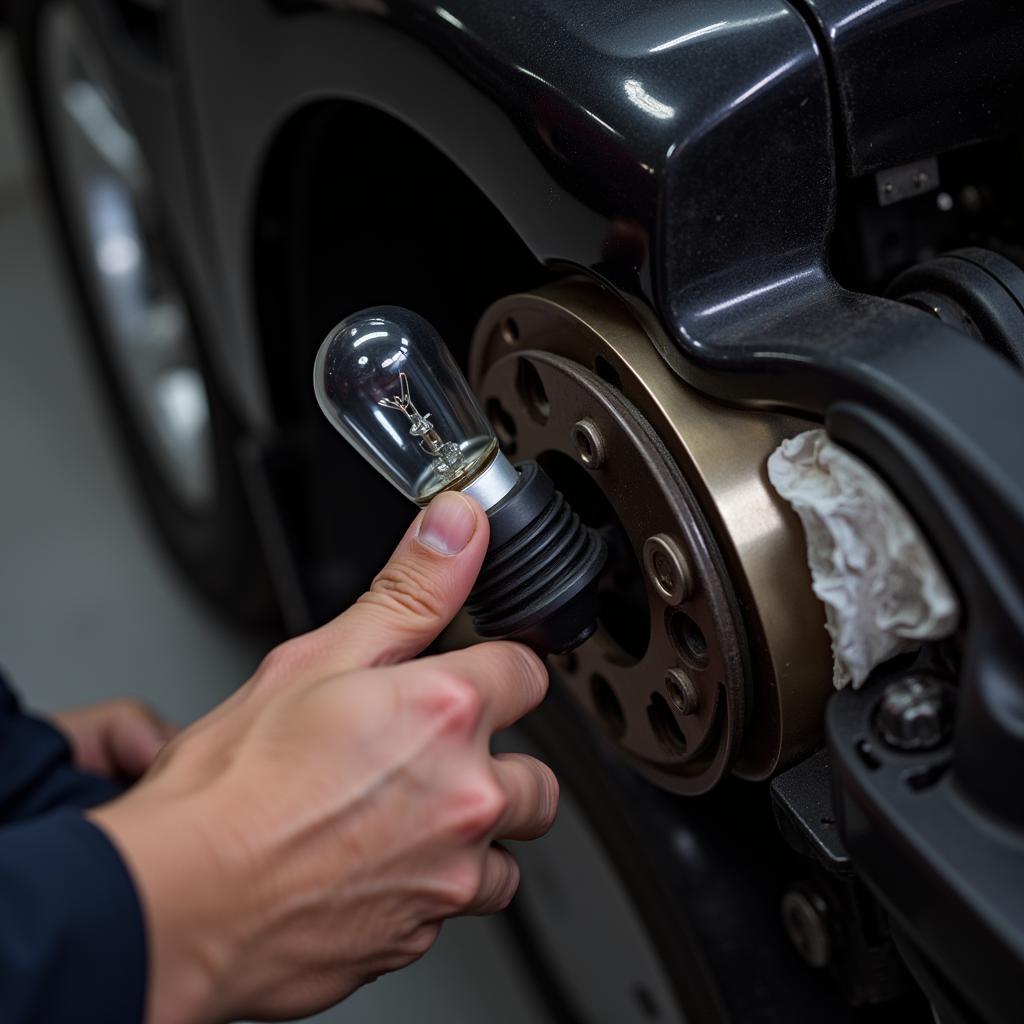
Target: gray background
{"x": 89, "y": 608}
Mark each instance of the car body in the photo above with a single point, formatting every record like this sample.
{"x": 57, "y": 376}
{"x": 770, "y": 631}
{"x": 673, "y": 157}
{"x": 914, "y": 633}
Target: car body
{"x": 739, "y": 185}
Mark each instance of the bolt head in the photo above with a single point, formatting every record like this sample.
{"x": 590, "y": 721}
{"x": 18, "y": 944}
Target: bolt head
{"x": 805, "y": 918}
{"x": 916, "y": 713}
{"x": 667, "y": 569}
{"x": 682, "y": 691}
{"x": 589, "y": 443}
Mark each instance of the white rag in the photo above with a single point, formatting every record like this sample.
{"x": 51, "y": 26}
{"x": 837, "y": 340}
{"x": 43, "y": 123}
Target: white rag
{"x": 883, "y": 590}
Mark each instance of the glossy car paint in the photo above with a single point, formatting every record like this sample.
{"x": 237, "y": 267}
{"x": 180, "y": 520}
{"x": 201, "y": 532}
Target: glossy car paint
{"x": 913, "y": 79}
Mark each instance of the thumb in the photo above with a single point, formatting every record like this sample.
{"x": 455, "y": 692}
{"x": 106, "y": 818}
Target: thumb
{"x": 418, "y": 592}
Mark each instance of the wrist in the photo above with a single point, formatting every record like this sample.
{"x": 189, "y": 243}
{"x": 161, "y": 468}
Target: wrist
{"x": 188, "y": 938}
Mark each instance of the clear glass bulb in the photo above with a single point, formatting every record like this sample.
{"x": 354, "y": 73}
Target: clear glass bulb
{"x": 387, "y": 383}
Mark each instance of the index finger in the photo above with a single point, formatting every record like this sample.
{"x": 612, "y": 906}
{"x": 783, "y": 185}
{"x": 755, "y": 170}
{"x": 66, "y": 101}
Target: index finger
{"x": 511, "y": 679}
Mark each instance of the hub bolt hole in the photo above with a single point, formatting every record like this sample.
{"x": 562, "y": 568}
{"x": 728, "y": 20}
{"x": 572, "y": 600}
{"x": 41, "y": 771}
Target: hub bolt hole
{"x": 688, "y": 638}
{"x": 664, "y": 725}
{"x": 532, "y": 393}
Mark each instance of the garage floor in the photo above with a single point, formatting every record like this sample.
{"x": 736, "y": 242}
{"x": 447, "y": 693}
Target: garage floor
{"x": 89, "y": 608}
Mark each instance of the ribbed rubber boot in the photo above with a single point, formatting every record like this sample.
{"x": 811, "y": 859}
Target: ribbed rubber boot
{"x": 538, "y": 584}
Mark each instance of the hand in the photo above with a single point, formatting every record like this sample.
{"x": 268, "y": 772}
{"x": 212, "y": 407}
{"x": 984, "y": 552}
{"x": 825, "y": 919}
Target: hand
{"x": 314, "y": 830}
{"x": 116, "y": 738}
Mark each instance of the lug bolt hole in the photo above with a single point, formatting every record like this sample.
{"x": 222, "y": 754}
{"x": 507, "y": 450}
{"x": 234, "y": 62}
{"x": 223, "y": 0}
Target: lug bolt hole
{"x": 664, "y": 725}
{"x": 531, "y": 392}
{"x": 688, "y": 638}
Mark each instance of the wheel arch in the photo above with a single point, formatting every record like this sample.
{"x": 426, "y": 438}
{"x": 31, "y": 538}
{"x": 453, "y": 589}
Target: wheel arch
{"x": 352, "y": 207}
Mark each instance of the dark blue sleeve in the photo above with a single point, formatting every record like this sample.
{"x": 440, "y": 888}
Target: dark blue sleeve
{"x": 36, "y": 773}
{"x": 72, "y": 935}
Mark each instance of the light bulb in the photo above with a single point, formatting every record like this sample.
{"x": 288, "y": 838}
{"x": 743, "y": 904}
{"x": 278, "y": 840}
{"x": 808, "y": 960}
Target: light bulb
{"x": 389, "y": 385}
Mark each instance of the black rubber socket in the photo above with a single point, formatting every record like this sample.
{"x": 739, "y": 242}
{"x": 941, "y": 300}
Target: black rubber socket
{"x": 538, "y": 584}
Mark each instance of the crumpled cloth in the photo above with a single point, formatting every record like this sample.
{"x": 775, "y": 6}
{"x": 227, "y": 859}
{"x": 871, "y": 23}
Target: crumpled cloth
{"x": 884, "y": 591}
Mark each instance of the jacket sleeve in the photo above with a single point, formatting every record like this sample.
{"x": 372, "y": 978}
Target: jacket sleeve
{"x": 72, "y": 935}
{"x": 36, "y": 773}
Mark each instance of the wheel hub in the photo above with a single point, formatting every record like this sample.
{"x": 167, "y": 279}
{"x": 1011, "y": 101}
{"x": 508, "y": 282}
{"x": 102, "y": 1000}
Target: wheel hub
{"x": 711, "y": 653}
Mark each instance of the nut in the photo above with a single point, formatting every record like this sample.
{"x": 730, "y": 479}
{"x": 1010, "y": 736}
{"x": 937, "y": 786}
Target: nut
{"x": 915, "y": 713}
{"x": 667, "y": 569}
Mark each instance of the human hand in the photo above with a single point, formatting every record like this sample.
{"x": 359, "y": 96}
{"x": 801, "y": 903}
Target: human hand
{"x": 115, "y": 738}
{"x": 314, "y": 830}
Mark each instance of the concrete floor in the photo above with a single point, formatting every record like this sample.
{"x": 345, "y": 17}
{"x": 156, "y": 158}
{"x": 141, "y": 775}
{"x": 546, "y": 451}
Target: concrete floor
{"x": 89, "y": 608}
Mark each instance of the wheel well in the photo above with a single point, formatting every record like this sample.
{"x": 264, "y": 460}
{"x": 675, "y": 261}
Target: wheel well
{"x": 355, "y": 208}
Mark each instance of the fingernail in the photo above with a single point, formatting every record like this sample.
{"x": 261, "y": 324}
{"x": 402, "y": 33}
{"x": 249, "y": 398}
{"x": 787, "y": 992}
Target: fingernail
{"x": 448, "y": 524}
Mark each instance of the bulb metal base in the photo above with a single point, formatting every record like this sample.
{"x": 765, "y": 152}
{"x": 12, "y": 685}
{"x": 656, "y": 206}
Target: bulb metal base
{"x": 538, "y": 584}
{"x": 490, "y": 486}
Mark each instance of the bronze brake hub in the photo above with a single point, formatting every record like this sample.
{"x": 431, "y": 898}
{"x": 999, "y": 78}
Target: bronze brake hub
{"x": 710, "y": 653}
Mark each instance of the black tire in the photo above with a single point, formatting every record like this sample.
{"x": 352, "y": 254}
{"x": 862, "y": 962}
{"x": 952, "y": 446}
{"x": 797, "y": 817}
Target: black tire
{"x": 704, "y": 875}
{"x": 216, "y": 543}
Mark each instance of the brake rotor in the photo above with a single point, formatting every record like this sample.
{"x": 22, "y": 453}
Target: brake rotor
{"x": 711, "y": 652}
{"x": 670, "y": 697}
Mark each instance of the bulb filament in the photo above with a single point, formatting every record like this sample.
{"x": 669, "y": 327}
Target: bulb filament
{"x": 445, "y": 455}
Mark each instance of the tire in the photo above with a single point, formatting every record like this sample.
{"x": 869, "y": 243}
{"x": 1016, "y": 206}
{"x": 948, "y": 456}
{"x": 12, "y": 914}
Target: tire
{"x": 641, "y": 906}
{"x": 176, "y": 430}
